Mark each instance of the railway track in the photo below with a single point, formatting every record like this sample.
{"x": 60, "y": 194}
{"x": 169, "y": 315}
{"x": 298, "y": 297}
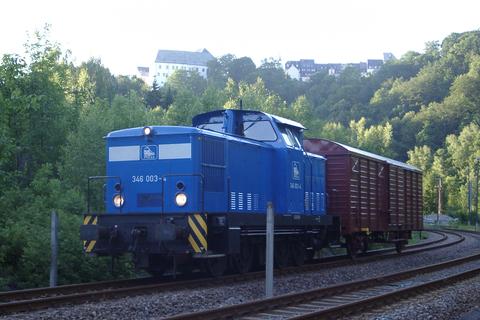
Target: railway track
{"x": 41, "y": 298}
{"x": 344, "y": 299}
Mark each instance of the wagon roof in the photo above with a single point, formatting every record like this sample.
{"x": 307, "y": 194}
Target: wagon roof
{"x": 367, "y": 154}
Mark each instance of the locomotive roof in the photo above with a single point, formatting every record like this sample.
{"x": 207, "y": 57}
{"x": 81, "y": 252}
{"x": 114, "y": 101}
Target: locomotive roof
{"x": 287, "y": 121}
{"x": 138, "y": 131}
{"x": 277, "y": 119}
{"x": 167, "y": 130}
{"x": 370, "y": 155}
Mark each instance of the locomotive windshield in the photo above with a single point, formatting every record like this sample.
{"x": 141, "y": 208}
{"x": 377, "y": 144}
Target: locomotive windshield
{"x": 260, "y": 130}
{"x": 214, "y": 123}
{"x": 248, "y": 124}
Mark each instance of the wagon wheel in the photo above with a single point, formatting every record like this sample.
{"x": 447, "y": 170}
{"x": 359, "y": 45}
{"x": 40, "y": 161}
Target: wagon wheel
{"x": 216, "y": 266}
{"x": 364, "y": 244}
{"x": 298, "y": 253}
{"x": 242, "y": 262}
{"x": 353, "y": 245}
{"x": 351, "y": 250}
{"x": 399, "y": 246}
{"x": 281, "y": 254}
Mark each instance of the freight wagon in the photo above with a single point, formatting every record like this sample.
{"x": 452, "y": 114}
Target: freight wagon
{"x": 377, "y": 199}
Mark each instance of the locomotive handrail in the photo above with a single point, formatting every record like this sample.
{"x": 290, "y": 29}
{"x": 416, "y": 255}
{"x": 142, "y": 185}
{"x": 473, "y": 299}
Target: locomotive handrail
{"x": 98, "y": 178}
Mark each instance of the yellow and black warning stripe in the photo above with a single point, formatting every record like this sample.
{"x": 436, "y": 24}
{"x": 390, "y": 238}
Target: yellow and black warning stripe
{"x": 88, "y": 245}
{"x": 197, "y": 237}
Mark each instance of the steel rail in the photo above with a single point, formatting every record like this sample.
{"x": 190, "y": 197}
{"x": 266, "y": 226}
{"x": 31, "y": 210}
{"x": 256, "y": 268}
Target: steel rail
{"x": 35, "y": 299}
{"x": 70, "y": 288}
{"x": 93, "y": 286}
{"x": 323, "y": 303}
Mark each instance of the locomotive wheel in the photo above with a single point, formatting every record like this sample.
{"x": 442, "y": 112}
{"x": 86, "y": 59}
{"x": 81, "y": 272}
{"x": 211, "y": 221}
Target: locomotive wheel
{"x": 216, "y": 266}
{"x": 156, "y": 273}
{"x": 298, "y": 253}
{"x": 281, "y": 254}
{"x": 309, "y": 254}
{"x": 186, "y": 270}
{"x": 243, "y": 261}
{"x": 158, "y": 265}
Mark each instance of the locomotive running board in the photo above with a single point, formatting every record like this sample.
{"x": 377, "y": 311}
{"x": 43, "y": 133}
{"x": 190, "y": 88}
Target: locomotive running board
{"x": 208, "y": 256}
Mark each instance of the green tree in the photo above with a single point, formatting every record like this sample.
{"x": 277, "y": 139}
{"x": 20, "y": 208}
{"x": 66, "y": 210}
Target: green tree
{"x": 217, "y": 73}
{"x": 376, "y": 139}
{"x": 153, "y": 97}
{"x": 186, "y": 80}
{"x": 242, "y": 69}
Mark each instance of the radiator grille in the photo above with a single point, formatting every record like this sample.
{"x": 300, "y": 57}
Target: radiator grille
{"x": 213, "y": 164}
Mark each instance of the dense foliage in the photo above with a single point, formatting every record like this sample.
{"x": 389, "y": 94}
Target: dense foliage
{"x": 423, "y": 107}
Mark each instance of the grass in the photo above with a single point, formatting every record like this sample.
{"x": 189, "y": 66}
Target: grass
{"x": 417, "y": 236}
{"x": 457, "y": 225}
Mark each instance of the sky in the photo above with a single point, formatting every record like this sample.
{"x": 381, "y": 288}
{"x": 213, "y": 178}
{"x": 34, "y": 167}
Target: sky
{"x": 127, "y": 34}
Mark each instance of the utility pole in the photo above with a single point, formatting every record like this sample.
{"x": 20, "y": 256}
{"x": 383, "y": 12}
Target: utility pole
{"x": 469, "y": 203}
{"x": 439, "y": 211}
{"x": 477, "y": 159}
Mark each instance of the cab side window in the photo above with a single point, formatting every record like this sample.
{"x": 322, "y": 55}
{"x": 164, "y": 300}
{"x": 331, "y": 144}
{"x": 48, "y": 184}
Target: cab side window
{"x": 291, "y": 140}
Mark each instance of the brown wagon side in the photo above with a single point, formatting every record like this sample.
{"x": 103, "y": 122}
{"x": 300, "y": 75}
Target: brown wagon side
{"x": 376, "y": 198}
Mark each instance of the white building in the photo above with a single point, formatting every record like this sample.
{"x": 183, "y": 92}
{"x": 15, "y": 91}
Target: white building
{"x": 168, "y": 61}
{"x": 292, "y": 70}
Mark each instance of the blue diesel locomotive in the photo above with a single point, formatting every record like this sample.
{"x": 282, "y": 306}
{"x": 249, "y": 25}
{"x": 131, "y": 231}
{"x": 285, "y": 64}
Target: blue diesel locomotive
{"x": 184, "y": 196}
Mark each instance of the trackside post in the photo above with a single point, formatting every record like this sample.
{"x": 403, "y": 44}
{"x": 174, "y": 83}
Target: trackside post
{"x": 269, "y": 252}
{"x": 54, "y": 248}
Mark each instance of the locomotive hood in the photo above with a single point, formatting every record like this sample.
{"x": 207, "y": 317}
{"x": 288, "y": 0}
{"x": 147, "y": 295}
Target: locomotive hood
{"x": 153, "y": 169}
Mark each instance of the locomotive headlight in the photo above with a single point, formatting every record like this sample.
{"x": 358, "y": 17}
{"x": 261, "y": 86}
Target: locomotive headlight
{"x": 147, "y": 131}
{"x": 118, "y": 200}
{"x": 181, "y": 199}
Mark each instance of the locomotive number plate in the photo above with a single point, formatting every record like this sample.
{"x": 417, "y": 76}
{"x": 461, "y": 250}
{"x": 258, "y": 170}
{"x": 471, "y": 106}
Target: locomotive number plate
{"x": 146, "y": 178}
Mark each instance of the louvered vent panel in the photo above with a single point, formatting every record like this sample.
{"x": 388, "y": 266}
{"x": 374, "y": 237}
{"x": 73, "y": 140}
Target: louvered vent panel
{"x": 213, "y": 164}
{"x": 256, "y": 200}
{"x": 240, "y": 201}
{"x": 233, "y": 201}
{"x": 307, "y": 201}
{"x": 249, "y": 201}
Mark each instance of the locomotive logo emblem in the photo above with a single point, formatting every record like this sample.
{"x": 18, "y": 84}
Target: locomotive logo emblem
{"x": 295, "y": 170}
{"x": 148, "y": 152}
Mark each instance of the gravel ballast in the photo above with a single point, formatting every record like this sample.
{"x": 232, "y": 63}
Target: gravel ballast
{"x": 156, "y": 306}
